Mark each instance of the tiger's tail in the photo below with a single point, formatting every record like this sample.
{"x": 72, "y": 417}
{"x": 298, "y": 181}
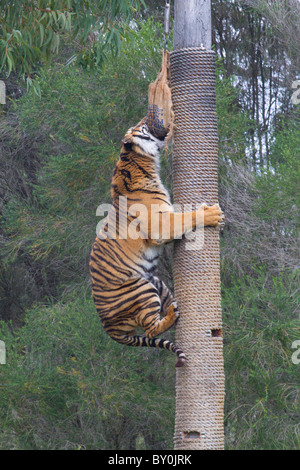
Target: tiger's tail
{"x": 143, "y": 341}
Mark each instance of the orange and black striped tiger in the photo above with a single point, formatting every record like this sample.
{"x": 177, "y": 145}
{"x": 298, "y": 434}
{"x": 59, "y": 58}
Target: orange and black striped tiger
{"x": 126, "y": 292}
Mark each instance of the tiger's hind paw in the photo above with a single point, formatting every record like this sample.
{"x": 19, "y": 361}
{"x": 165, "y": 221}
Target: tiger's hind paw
{"x": 213, "y": 216}
{"x": 176, "y": 313}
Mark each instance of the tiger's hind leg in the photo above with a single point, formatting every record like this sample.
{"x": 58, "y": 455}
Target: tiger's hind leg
{"x": 153, "y": 324}
{"x": 146, "y": 309}
{"x": 166, "y": 297}
{"x": 142, "y": 308}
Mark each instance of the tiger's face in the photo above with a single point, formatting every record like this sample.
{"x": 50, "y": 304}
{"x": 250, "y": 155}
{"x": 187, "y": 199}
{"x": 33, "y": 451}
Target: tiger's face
{"x": 140, "y": 140}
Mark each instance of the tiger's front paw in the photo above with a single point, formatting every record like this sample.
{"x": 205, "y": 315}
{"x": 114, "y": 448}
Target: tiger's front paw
{"x": 213, "y": 216}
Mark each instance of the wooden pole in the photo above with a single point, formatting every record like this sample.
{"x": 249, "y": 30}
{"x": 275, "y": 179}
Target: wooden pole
{"x": 200, "y": 383}
{"x": 192, "y": 26}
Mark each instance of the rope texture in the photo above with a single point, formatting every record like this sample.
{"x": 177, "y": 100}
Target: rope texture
{"x": 200, "y": 383}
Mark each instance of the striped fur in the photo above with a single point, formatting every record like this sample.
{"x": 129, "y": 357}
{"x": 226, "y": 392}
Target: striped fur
{"x": 126, "y": 292}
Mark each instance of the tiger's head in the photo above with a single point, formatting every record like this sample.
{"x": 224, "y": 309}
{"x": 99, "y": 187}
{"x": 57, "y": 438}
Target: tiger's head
{"x": 140, "y": 140}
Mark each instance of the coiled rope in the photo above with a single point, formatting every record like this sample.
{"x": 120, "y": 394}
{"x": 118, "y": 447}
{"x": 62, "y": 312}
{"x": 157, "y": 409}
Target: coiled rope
{"x": 200, "y": 383}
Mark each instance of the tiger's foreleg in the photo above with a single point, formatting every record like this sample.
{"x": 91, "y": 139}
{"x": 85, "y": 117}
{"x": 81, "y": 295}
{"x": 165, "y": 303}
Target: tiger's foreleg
{"x": 173, "y": 225}
{"x": 181, "y": 223}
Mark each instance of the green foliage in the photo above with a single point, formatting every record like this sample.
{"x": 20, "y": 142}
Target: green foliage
{"x": 281, "y": 195}
{"x": 233, "y": 122}
{"x": 67, "y": 385}
{"x": 279, "y": 190}
{"x": 76, "y": 129}
{"x": 286, "y": 143}
{"x": 262, "y": 210}
{"x": 262, "y": 384}
{"x": 31, "y": 31}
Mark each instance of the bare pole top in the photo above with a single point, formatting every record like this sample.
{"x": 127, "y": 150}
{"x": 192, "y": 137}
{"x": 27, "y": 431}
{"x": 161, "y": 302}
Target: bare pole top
{"x": 192, "y": 25}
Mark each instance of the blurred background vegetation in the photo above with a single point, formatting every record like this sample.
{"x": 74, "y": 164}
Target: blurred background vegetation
{"x": 75, "y": 83}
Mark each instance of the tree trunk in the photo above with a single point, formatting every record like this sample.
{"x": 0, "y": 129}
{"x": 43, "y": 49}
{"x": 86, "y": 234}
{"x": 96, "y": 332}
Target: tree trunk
{"x": 200, "y": 382}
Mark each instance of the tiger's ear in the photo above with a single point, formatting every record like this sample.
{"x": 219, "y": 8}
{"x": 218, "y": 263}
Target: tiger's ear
{"x": 127, "y": 143}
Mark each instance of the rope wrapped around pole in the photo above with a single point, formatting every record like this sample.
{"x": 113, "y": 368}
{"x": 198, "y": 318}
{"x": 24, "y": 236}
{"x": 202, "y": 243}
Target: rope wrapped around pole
{"x": 200, "y": 383}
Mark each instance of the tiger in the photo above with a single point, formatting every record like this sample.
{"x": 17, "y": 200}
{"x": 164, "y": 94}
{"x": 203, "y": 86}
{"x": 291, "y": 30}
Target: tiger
{"x": 127, "y": 293}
